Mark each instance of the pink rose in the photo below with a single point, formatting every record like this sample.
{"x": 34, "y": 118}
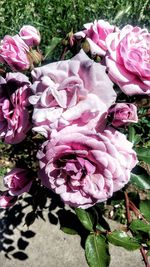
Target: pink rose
{"x": 122, "y": 114}
{"x": 85, "y": 167}
{"x": 18, "y": 181}
{"x": 128, "y": 59}
{"x": 6, "y": 200}
{"x": 96, "y": 34}
{"x": 13, "y": 51}
{"x": 75, "y": 91}
{"x": 30, "y": 35}
{"x": 14, "y": 116}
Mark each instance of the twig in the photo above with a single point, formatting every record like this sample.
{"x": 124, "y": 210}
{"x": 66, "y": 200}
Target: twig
{"x": 127, "y": 208}
{"x": 145, "y": 258}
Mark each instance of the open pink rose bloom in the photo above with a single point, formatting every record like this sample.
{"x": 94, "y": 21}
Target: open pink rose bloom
{"x": 14, "y": 115}
{"x": 96, "y": 33}
{"x": 122, "y": 114}
{"x": 86, "y": 167}
{"x": 128, "y": 59}
{"x": 71, "y": 92}
{"x": 13, "y": 51}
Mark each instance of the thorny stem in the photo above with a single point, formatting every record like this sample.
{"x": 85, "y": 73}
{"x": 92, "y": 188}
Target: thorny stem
{"x": 130, "y": 205}
{"x": 136, "y": 211}
{"x": 127, "y": 208}
{"x": 145, "y": 258}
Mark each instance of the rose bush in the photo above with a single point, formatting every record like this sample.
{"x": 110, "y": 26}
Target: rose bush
{"x": 84, "y": 160}
{"x": 14, "y": 115}
{"x": 14, "y": 52}
{"x": 96, "y": 33}
{"x": 128, "y": 59}
{"x": 122, "y": 114}
{"x": 17, "y": 181}
{"x": 30, "y": 35}
{"x": 75, "y": 91}
{"x": 85, "y": 167}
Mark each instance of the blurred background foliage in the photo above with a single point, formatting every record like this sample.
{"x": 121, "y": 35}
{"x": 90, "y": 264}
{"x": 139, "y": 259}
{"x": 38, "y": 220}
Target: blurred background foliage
{"x": 57, "y": 17}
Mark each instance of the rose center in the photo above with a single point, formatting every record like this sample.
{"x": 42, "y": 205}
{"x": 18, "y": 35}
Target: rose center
{"x": 74, "y": 169}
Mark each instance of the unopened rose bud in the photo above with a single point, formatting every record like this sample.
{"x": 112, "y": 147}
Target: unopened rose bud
{"x": 35, "y": 57}
{"x": 6, "y": 200}
{"x": 30, "y": 35}
{"x": 18, "y": 181}
{"x": 122, "y": 113}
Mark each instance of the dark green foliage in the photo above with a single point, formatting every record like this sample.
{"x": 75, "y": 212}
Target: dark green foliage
{"x": 139, "y": 225}
{"x": 140, "y": 178}
{"x": 122, "y": 239}
{"x": 86, "y": 218}
{"x": 96, "y": 251}
{"x": 145, "y": 208}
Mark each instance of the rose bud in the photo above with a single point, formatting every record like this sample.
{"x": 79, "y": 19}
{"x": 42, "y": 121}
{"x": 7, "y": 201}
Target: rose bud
{"x": 122, "y": 113}
{"x": 35, "y": 57}
{"x": 6, "y": 200}
{"x": 18, "y": 181}
{"x": 30, "y": 35}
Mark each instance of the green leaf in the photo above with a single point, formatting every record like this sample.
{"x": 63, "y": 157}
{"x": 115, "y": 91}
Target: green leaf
{"x": 49, "y": 49}
{"x": 69, "y": 231}
{"x": 122, "y": 239}
{"x": 138, "y": 225}
{"x": 86, "y": 218}
{"x": 3, "y": 171}
{"x": 145, "y": 208}
{"x": 143, "y": 154}
{"x": 140, "y": 178}
{"x": 132, "y": 136}
{"x": 96, "y": 251}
